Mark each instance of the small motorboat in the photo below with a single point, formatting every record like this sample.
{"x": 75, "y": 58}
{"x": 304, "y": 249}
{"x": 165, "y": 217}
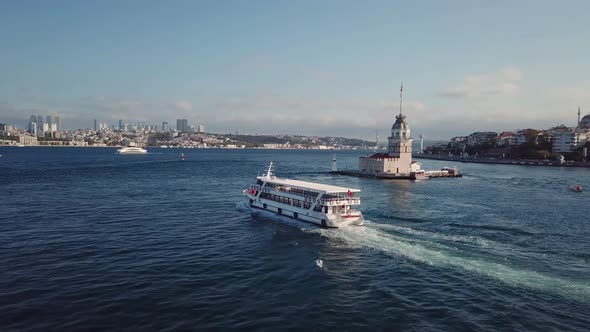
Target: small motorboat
{"x": 576, "y": 188}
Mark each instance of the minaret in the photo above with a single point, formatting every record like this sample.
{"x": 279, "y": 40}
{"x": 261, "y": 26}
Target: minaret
{"x": 421, "y": 143}
{"x": 578, "y": 125}
{"x": 376, "y": 138}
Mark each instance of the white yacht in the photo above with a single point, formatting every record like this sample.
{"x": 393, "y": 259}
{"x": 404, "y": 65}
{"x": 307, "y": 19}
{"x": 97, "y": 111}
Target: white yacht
{"x": 131, "y": 150}
{"x": 325, "y": 205}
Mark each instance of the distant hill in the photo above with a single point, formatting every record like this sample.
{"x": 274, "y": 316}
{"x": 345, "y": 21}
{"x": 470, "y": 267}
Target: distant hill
{"x": 260, "y": 140}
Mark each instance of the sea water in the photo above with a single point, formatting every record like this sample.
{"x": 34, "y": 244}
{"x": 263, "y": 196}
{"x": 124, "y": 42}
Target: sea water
{"x": 92, "y": 240}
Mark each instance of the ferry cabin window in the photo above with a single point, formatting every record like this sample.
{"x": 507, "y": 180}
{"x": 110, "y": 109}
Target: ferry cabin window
{"x": 259, "y": 182}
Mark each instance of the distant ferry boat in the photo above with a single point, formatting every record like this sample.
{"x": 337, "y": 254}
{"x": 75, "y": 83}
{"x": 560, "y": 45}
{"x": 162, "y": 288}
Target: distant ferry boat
{"x": 321, "y": 204}
{"x": 132, "y": 150}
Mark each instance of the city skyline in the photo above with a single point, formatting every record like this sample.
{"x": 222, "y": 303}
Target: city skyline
{"x": 314, "y": 69}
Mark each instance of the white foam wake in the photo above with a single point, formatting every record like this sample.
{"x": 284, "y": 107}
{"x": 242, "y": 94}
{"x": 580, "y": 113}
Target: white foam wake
{"x": 371, "y": 236}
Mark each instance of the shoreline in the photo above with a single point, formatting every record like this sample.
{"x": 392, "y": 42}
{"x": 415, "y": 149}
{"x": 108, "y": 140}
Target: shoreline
{"x": 514, "y": 162}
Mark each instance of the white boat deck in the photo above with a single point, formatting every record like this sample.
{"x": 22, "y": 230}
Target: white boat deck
{"x": 309, "y": 185}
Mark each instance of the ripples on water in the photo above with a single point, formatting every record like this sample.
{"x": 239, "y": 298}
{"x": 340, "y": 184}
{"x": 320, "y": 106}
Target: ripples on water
{"x": 90, "y": 240}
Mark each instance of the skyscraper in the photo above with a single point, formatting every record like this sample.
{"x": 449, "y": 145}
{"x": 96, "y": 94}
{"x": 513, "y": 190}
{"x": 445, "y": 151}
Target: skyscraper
{"x": 39, "y": 124}
{"x": 49, "y": 119}
{"x": 95, "y": 125}
{"x": 57, "y": 120}
{"x": 182, "y": 125}
{"x": 165, "y": 126}
{"x": 121, "y": 125}
{"x": 32, "y": 125}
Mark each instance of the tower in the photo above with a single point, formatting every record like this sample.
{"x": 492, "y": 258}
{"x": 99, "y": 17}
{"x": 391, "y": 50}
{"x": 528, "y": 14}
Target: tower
{"x": 376, "y": 138}
{"x": 334, "y": 166}
{"x": 400, "y": 142}
{"x": 421, "y": 143}
{"x": 578, "y": 124}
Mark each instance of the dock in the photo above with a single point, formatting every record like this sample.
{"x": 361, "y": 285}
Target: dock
{"x": 446, "y": 172}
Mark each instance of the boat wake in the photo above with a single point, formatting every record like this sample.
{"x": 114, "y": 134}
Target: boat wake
{"x": 423, "y": 247}
{"x": 440, "y": 250}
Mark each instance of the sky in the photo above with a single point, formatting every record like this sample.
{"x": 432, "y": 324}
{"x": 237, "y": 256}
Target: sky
{"x": 325, "y": 68}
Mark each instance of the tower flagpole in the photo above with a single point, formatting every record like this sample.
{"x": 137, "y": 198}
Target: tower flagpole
{"x": 401, "y": 89}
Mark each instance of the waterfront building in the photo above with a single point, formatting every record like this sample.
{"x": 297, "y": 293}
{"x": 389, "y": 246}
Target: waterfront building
{"x": 523, "y": 136}
{"x": 27, "y": 140}
{"x": 398, "y": 159}
{"x": 276, "y": 145}
{"x": 201, "y": 128}
{"x": 505, "y": 138}
{"x": 565, "y": 139}
{"x": 481, "y": 137}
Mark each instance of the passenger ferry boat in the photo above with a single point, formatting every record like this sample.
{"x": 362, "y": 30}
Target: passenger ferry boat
{"x": 321, "y": 204}
{"x": 131, "y": 150}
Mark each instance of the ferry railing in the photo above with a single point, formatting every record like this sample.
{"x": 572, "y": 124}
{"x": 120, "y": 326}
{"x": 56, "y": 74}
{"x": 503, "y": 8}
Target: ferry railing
{"x": 331, "y": 200}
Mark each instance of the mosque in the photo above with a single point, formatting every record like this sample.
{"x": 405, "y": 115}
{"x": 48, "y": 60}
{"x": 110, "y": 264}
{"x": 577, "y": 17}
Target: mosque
{"x": 583, "y": 123}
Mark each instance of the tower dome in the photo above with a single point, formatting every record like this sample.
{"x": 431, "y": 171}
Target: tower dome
{"x": 400, "y": 123}
{"x": 400, "y": 128}
{"x": 585, "y": 122}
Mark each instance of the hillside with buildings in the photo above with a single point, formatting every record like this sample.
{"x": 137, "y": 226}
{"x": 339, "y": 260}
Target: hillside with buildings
{"x": 47, "y": 131}
{"x": 539, "y": 144}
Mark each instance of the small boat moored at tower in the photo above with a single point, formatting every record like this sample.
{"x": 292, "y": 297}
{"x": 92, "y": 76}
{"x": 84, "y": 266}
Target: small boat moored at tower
{"x": 321, "y": 204}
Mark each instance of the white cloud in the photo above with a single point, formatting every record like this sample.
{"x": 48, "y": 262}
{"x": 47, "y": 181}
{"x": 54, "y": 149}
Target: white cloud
{"x": 503, "y": 82}
{"x": 182, "y": 105}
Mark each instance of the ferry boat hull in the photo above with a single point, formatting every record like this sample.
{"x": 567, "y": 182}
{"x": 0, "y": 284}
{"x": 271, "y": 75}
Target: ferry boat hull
{"x": 323, "y": 205}
{"x": 320, "y": 219}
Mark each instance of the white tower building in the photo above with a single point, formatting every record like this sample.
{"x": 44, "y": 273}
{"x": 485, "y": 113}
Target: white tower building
{"x": 398, "y": 159}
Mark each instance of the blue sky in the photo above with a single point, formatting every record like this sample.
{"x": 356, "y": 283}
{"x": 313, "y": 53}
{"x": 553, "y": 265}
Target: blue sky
{"x": 305, "y": 67}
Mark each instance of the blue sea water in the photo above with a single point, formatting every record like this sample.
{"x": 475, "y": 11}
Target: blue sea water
{"x": 94, "y": 241}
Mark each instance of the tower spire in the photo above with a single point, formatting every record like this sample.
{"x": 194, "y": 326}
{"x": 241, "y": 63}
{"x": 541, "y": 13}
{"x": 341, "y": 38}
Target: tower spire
{"x": 401, "y": 90}
{"x": 578, "y": 116}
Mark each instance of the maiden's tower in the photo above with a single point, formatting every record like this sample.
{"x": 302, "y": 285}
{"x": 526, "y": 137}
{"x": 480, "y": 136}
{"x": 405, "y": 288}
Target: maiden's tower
{"x": 397, "y": 162}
